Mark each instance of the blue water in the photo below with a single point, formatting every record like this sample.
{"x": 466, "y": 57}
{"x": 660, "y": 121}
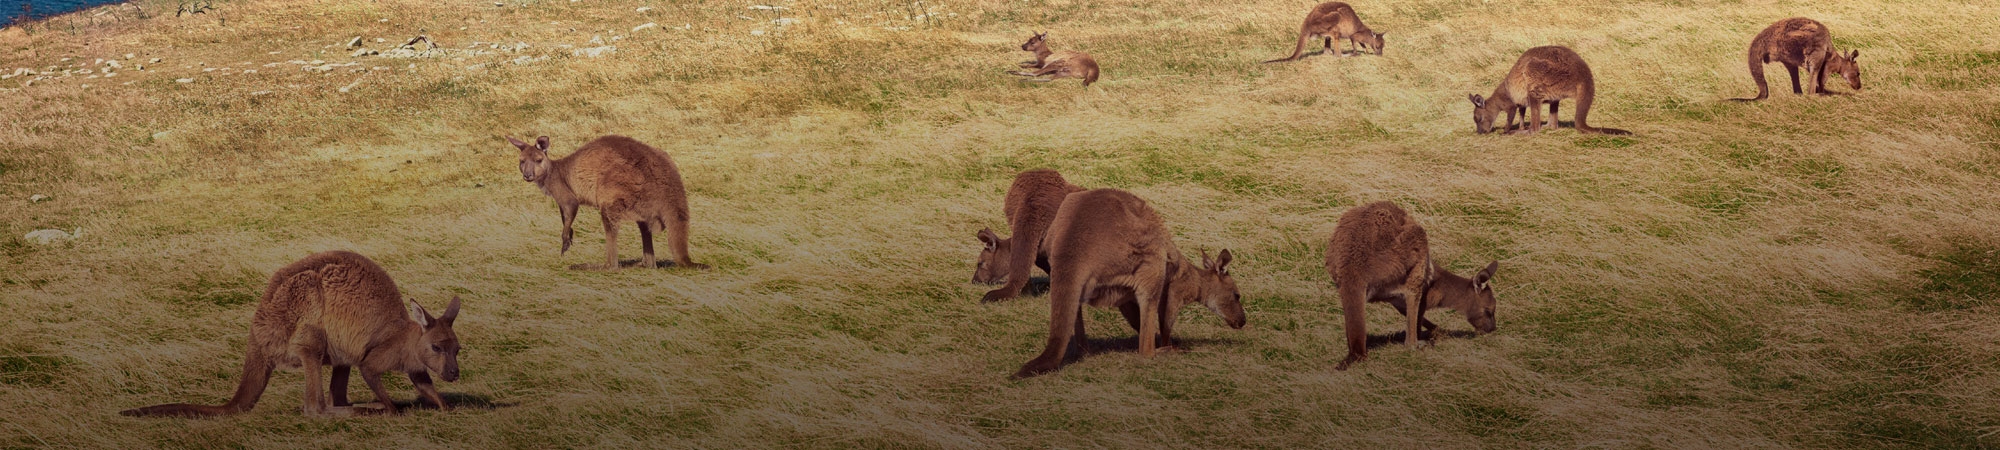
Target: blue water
{"x": 11, "y": 9}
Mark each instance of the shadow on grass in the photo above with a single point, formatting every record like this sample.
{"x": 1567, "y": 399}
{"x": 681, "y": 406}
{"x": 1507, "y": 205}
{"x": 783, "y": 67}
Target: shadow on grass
{"x": 1381, "y": 340}
{"x": 458, "y": 401}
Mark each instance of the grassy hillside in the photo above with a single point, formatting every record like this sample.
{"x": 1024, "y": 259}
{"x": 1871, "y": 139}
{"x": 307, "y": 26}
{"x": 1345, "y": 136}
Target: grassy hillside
{"x": 1798, "y": 272}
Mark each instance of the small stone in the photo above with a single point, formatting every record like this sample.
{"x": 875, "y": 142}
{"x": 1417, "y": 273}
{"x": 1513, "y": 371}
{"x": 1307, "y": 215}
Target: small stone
{"x": 37, "y": 198}
{"x": 184, "y": 80}
{"x": 363, "y": 52}
{"x": 644, "y": 26}
{"x": 129, "y": 56}
{"x": 645, "y": 8}
{"x": 380, "y": 40}
{"x": 154, "y": 60}
{"x": 593, "y": 52}
{"x": 51, "y": 236}
{"x": 260, "y": 93}
{"x": 356, "y": 42}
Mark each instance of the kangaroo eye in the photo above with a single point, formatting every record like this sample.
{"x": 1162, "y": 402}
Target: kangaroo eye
{"x": 436, "y": 348}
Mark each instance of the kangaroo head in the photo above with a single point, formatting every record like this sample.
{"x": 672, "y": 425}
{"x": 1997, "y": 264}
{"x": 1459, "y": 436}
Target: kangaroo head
{"x": 1036, "y": 43}
{"x": 1482, "y": 117}
{"x": 1847, "y": 67}
{"x": 1218, "y": 290}
{"x": 535, "y": 162}
{"x": 1370, "y": 40}
{"x": 992, "y": 266}
{"x": 439, "y": 351}
{"x": 1473, "y": 297}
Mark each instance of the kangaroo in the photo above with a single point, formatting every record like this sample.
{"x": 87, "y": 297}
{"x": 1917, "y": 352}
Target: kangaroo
{"x": 1543, "y": 75}
{"x": 1797, "y": 42}
{"x": 1378, "y": 253}
{"x": 1333, "y": 21}
{"x": 1108, "y": 249}
{"x": 337, "y": 308}
{"x": 1056, "y": 65}
{"x": 1030, "y": 206}
{"x": 626, "y": 180}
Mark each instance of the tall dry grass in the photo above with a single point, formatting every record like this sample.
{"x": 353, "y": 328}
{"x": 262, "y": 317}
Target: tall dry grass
{"x": 1799, "y": 272}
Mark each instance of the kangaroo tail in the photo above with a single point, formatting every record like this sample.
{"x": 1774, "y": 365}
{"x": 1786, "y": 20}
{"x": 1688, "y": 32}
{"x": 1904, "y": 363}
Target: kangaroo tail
{"x": 256, "y": 375}
{"x": 1296, "y": 50}
{"x": 1757, "y": 71}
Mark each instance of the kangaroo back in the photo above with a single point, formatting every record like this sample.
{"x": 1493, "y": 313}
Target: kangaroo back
{"x": 291, "y": 291}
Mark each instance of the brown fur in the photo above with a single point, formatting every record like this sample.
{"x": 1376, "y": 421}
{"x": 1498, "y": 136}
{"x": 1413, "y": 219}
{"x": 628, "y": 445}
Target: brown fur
{"x": 1378, "y": 253}
{"x": 1543, "y": 75}
{"x": 1030, "y": 207}
{"x": 339, "y": 309}
{"x": 1108, "y": 249}
{"x": 1800, "y": 42}
{"x": 626, "y": 180}
{"x": 1056, "y": 65}
{"x": 1333, "y": 21}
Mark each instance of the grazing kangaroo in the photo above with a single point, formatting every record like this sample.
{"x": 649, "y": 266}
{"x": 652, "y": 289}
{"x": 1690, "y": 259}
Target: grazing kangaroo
{"x": 1378, "y": 253}
{"x": 340, "y": 309}
{"x": 626, "y": 180}
{"x": 1030, "y": 207}
{"x": 1797, "y": 42}
{"x": 1543, "y": 75}
{"x": 1333, "y": 21}
{"x": 1056, "y": 65}
{"x": 1108, "y": 249}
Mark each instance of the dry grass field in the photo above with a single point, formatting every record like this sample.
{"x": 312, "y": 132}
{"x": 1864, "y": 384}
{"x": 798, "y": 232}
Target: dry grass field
{"x": 1797, "y": 272}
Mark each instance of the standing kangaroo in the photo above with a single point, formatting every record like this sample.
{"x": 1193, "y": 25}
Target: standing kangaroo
{"x": 1378, "y": 253}
{"x": 626, "y": 180}
{"x": 1030, "y": 207}
{"x": 1796, "y": 42}
{"x": 1543, "y": 75}
{"x": 1108, "y": 249}
{"x": 340, "y": 309}
{"x": 1333, "y": 21}
{"x": 1056, "y": 65}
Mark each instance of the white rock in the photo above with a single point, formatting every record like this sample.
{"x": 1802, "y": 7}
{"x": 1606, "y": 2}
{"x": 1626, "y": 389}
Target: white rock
{"x": 593, "y": 52}
{"x": 597, "y": 40}
{"x": 37, "y": 198}
{"x": 260, "y": 93}
{"x": 51, "y": 236}
{"x": 356, "y": 42}
{"x": 363, "y": 52}
{"x": 785, "y": 21}
{"x": 129, "y": 56}
{"x": 154, "y": 60}
{"x": 381, "y": 40}
{"x": 645, "y": 8}
{"x": 756, "y": 32}
{"x": 184, "y": 80}
{"x": 644, "y": 26}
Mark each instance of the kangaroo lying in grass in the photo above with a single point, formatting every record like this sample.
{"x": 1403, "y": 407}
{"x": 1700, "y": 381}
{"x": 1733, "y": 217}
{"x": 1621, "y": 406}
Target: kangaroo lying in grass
{"x": 1797, "y": 42}
{"x": 340, "y": 309}
{"x": 1543, "y": 75}
{"x": 626, "y": 180}
{"x": 1108, "y": 249}
{"x": 1056, "y": 65}
{"x": 1030, "y": 207}
{"x": 1378, "y": 253}
{"x": 1333, "y": 21}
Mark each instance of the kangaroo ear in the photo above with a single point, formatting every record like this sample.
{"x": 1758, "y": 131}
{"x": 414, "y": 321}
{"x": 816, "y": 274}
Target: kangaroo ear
{"x": 1854, "y": 54}
{"x": 542, "y": 142}
{"x": 1222, "y": 262}
{"x": 517, "y": 143}
{"x": 1477, "y": 101}
{"x": 450, "y": 311}
{"x": 992, "y": 240}
{"x": 1485, "y": 276}
{"x": 418, "y": 314}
